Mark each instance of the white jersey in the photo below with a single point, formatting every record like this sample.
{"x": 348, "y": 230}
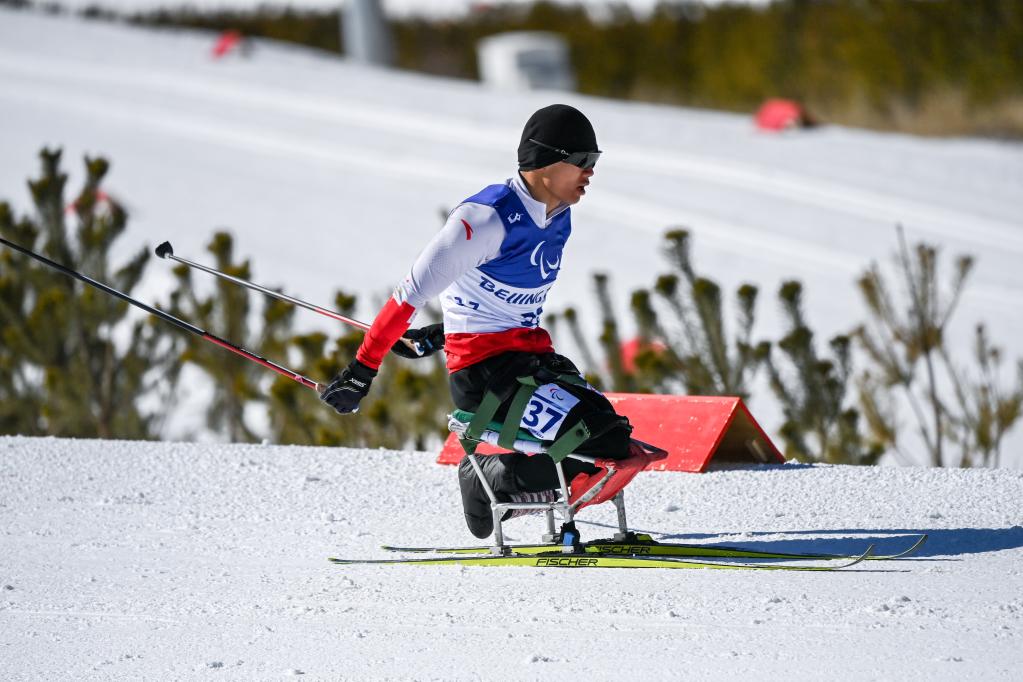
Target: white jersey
{"x": 493, "y": 262}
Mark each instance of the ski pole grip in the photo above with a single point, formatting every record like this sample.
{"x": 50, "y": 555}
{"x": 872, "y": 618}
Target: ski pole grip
{"x": 164, "y": 250}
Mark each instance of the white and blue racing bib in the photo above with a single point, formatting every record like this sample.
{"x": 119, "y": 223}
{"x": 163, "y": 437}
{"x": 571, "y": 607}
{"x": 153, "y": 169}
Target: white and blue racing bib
{"x": 546, "y": 411}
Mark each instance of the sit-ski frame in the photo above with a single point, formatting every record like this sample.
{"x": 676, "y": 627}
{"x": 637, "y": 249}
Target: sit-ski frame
{"x": 569, "y": 536}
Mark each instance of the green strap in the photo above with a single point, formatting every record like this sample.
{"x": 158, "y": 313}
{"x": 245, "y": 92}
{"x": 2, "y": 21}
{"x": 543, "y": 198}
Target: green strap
{"x": 569, "y": 441}
{"x": 573, "y": 379}
{"x": 558, "y": 450}
{"x": 487, "y": 410}
{"x": 510, "y": 428}
{"x": 469, "y": 445}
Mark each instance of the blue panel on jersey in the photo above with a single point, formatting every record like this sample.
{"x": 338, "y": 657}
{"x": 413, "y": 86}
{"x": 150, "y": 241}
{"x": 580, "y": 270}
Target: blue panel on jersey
{"x": 530, "y": 257}
{"x": 489, "y": 195}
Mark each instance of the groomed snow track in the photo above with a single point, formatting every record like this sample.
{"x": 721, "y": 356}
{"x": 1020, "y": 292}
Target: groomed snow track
{"x": 126, "y": 560}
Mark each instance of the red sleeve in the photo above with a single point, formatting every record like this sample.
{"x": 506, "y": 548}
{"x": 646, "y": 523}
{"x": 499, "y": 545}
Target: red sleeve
{"x": 391, "y": 322}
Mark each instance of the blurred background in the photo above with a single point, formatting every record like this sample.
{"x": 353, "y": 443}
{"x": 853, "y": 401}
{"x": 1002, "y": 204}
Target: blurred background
{"x": 936, "y": 68}
{"x": 813, "y": 205}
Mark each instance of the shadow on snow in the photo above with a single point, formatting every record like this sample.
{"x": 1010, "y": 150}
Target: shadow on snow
{"x": 941, "y": 542}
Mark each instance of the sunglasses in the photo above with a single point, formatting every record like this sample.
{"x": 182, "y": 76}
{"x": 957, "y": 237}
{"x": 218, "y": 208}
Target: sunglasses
{"x": 583, "y": 160}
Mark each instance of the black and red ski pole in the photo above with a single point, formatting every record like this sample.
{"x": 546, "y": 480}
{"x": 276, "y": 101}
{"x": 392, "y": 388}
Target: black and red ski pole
{"x": 237, "y": 350}
{"x": 165, "y": 250}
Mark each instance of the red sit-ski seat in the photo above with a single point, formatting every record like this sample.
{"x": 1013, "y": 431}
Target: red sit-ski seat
{"x": 622, "y": 472}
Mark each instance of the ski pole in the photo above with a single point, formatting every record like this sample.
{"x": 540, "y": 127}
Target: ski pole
{"x": 238, "y": 350}
{"x": 165, "y": 250}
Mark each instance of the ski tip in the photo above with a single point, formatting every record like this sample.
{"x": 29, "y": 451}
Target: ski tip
{"x": 853, "y": 560}
{"x": 164, "y": 250}
{"x": 916, "y": 545}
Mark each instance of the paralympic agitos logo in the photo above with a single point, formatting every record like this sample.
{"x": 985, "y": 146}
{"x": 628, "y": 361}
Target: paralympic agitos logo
{"x": 542, "y": 260}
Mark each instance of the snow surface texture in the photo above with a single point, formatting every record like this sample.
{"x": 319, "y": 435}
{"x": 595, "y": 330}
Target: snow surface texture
{"x": 332, "y": 176}
{"x": 123, "y": 560}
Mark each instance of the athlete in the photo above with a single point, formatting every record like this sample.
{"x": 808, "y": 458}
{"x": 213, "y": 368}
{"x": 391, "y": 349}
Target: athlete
{"x": 493, "y": 265}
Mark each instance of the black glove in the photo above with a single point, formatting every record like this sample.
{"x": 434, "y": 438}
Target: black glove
{"x": 428, "y": 340}
{"x": 349, "y": 387}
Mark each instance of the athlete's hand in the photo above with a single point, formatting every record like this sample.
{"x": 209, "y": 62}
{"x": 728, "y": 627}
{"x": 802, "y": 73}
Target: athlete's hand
{"x": 349, "y": 387}
{"x": 420, "y": 343}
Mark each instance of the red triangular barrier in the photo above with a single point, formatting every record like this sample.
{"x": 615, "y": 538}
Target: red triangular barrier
{"x": 693, "y": 429}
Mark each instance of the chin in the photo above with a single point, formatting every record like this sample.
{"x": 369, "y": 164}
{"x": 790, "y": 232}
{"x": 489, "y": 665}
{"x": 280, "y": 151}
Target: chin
{"x": 574, "y": 197}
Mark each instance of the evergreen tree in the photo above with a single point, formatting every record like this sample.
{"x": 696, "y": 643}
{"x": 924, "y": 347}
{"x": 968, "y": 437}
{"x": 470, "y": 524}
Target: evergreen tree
{"x": 73, "y": 362}
{"x": 698, "y": 356}
{"x": 906, "y": 344}
{"x": 237, "y": 383}
{"x": 708, "y": 361}
{"x": 610, "y": 340}
{"x": 406, "y": 407}
{"x": 613, "y": 374}
{"x": 819, "y": 426}
{"x": 987, "y": 409}
{"x": 587, "y": 361}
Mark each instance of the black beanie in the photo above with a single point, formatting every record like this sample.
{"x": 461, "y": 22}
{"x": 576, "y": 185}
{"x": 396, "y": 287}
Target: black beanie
{"x": 558, "y": 125}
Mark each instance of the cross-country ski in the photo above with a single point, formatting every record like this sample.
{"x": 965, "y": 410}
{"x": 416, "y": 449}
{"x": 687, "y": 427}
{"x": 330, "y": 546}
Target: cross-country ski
{"x": 644, "y": 545}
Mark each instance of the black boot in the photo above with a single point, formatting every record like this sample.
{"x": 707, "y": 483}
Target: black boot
{"x": 475, "y": 502}
{"x": 511, "y": 476}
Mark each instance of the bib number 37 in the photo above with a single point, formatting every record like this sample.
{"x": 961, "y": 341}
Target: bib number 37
{"x": 546, "y": 411}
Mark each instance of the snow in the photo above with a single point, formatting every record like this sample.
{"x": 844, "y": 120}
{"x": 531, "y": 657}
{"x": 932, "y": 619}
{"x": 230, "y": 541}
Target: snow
{"x": 129, "y": 560}
{"x": 132, "y": 560}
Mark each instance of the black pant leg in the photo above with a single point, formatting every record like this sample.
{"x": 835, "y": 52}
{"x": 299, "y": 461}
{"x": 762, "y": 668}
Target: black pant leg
{"x": 498, "y": 373}
{"x": 536, "y": 473}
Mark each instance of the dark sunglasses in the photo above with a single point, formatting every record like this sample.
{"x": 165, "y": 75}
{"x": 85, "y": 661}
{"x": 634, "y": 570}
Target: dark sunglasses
{"x": 583, "y": 160}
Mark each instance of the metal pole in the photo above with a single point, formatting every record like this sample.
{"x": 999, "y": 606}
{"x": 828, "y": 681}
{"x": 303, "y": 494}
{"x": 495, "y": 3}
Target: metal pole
{"x": 167, "y": 317}
{"x": 165, "y": 250}
{"x": 551, "y": 532}
{"x": 569, "y": 516}
{"x": 623, "y": 527}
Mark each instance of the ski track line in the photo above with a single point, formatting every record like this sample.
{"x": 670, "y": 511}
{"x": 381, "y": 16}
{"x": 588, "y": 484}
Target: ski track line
{"x": 944, "y": 222}
{"x": 729, "y": 236}
{"x": 234, "y": 136}
{"x": 949, "y": 223}
{"x": 769, "y": 247}
{"x": 91, "y": 614}
{"x": 640, "y": 215}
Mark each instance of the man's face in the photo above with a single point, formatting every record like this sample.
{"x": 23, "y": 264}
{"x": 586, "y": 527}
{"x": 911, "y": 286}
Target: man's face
{"x": 566, "y": 182}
